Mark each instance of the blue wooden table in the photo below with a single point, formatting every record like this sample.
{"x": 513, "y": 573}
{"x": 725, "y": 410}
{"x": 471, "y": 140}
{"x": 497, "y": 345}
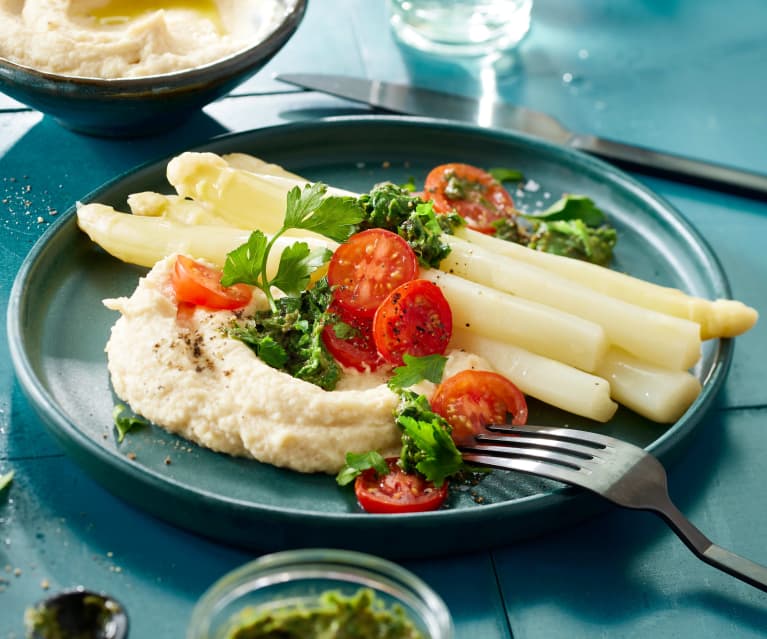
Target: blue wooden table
{"x": 678, "y": 75}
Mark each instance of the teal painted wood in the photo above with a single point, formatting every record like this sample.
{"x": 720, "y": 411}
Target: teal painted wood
{"x": 61, "y": 529}
{"x": 682, "y": 76}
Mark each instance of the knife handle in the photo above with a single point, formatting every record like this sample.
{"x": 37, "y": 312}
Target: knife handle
{"x": 666, "y": 165}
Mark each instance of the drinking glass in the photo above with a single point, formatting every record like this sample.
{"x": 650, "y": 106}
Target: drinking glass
{"x": 460, "y": 27}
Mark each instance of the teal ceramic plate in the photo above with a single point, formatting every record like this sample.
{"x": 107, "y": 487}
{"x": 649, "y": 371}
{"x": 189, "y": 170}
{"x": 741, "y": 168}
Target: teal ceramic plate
{"x": 58, "y": 328}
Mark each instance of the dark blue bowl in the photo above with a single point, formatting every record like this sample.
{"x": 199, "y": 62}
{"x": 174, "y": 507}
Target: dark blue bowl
{"x": 126, "y": 107}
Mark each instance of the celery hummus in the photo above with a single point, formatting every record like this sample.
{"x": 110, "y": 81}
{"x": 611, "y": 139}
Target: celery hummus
{"x": 185, "y": 375}
{"x": 131, "y": 38}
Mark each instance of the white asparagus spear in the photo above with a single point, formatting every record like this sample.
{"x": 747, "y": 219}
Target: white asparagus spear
{"x": 529, "y": 325}
{"x": 253, "y": 164}
{"x": 244, "y": 199}
{"x": 650, "y": 391}
{"x": 145, "y": 240}
{"x": 669, "y": 342}
{"x": 544, "y": 378}
{"x": 718, "y": 318}
{"x": 173, "y": 207}
{"x": 656, "y": 393}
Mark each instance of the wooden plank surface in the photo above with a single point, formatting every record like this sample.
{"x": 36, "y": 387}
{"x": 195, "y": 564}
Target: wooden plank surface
{"x": 682, "y": 76}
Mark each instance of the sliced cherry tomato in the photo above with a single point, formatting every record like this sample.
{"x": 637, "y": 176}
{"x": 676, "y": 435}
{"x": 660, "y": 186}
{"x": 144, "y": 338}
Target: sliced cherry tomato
{"x": 199, "y": 284}
{"x": 369, "y": 266}
{"x": 475, "y": 194}
{"x": 357, "y": 350}
{"x": 471, "y": 399}
{"x": 414, "y": 319}
{"x": 397, "y": 491}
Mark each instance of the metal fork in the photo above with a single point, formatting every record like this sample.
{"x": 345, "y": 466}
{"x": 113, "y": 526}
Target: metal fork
{"x": 618, "y": 471}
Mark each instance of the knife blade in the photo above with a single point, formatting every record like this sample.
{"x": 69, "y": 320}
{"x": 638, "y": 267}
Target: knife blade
{"x": 405, "y": 99}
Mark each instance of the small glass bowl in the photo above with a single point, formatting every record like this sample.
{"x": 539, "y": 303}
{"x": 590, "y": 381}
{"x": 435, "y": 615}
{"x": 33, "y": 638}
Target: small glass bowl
{"x": 297, "y": 579}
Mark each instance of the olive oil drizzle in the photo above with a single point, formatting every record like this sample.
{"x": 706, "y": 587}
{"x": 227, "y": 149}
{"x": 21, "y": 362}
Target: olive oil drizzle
{"x": 116, "y": 12}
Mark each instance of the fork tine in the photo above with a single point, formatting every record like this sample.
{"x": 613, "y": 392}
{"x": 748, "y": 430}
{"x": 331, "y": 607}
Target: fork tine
{"x": 509, "y": 449}
{"x": 594, "y": 440}
{"x": 529, "y": 465}
{"x": 523, "y": 441}
{"x": 589, "y": 460}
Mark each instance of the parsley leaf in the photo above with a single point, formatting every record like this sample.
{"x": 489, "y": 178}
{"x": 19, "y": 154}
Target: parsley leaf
{"x": 437, "y": 457}
{"x": 245, "y": 263}
{"x": 426, "y": 442}
{"x": 297, "y": 263}
{"x": 334, "y": 217}
{"x": 416, "y": 369}
{"x": 571, "y": 207}
{"x": 125, "y": 420}
{"x": 357, "y": 463}
{"x": 300, "y": 204}
{"x": 5, "y": 480}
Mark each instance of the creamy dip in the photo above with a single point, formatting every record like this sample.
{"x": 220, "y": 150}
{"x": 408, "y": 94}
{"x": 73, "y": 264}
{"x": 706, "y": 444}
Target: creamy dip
{"x": 131, "y": 38}
{"x": 187, "y": 377}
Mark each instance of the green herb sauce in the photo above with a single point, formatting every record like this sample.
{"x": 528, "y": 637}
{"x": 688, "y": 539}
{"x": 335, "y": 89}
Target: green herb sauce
{"x": 361, "y": 616}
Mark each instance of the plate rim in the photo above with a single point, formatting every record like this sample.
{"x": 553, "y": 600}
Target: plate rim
{"x": 69, "y": 435}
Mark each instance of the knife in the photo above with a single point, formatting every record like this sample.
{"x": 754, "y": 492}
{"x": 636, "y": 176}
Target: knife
{"x": 400, "y": 98}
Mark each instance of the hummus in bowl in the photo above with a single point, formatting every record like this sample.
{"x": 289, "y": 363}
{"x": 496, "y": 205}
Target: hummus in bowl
{"x": 119, "y": 68}
{"x": 128, "y": 39}
{"x": 185, "y": 375}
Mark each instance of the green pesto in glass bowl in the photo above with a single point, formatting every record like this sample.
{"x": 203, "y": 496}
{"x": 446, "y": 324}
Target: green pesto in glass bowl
{"x": 319, "y": 593}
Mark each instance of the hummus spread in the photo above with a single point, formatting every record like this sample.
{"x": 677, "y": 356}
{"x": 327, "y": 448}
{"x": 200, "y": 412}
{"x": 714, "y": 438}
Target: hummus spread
{"x": 190, "y": 379}
{"x": 131, "y": 38}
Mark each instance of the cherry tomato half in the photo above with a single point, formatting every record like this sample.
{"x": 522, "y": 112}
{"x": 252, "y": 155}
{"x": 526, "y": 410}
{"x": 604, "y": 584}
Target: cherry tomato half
{"x": 475, "y": 194}
{"x": 471, "y": 399}
{"x": 369, "y": 266}
{"x": 414, "y": 319}
{"x": 199, "y": 284}
{"x": 397, "y": 491}
{"x": 357, "y": 350}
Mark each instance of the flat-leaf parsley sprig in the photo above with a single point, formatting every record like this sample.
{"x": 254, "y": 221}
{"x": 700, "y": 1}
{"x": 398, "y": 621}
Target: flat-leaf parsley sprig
{"x": 288, "y": 336}
{"x": 334, "y": 217}
{"x": 427, "y": 446}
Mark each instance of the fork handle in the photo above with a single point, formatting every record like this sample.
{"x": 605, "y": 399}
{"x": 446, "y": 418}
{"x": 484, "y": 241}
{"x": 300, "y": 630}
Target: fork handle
{"x": 744, "y": 569}
{"x": 737, "y": 566}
